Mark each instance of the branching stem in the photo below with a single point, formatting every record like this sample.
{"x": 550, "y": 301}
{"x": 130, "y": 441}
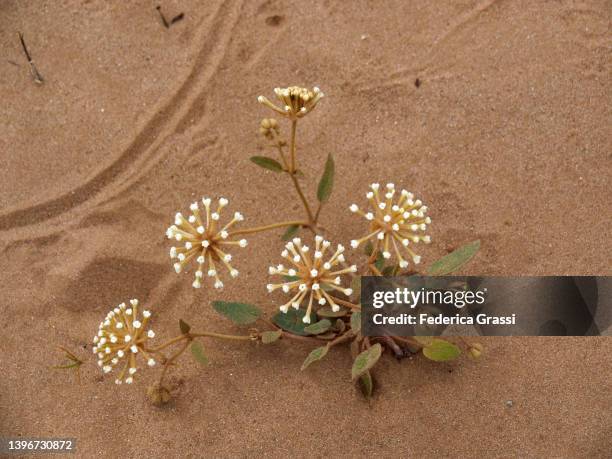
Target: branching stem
{"x": 172, "y": 358}
{"x": 291, "y": 170}
{"x": 221, "y": 336}
{"x": 170, "y": 342}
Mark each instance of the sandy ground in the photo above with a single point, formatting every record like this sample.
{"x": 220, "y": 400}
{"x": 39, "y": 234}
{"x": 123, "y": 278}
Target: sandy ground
{"x": 506, "y": 139}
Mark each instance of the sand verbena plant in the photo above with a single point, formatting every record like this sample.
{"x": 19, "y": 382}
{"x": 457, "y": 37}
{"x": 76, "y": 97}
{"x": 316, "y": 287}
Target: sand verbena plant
{"x": 316, "y": 290}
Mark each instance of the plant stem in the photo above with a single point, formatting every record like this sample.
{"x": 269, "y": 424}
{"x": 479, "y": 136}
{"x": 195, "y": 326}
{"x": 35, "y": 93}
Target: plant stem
{"x": 348, "y": 304}
{"x": 397, "y": 350}
{"x": 303, "y": 199}
{"x": 374, "y": 254}
{"x": 221, "y": 336}
{"x": 341, "y": 339}
{"x": 257, "y": 229}
{"x": 292, "y": 170}
{"x": 292, "y": 145}
{"x": 172, "y": 358}
{"x": 316, "y": 217}
{"x": 167, "y": 343}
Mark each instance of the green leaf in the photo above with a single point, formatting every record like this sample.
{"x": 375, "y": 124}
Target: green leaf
{"x": 366, "y": 384}
{"x": 319, "y": 327}
{"x": 315, "y": 354}
{"x": 239, "y": 313}
{"x": 268, "y": 337}
{"x": 291, "y": 278}
{"x": 329, "y": 313}
{"x": 368, "y": 248}
{"x": 440, "y": 350}
{"x": 327, "y": 181}
{"x": 291, "y": 231}
{"x": 356, "y": 321}
{"x": 366, "y": 360}
{"x": 454, "y": 260}
{"x": 389, "y": 270}
{"x": 198, "y": 353}
{"x": 291, "y": 321}
{"x": 267, "y": 163}
{"x": 184, "y": 326}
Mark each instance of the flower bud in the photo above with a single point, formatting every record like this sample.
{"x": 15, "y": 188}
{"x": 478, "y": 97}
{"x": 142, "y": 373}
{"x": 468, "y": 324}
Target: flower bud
{"x": 158, "y": 395}
{"x": 475, "y": 350}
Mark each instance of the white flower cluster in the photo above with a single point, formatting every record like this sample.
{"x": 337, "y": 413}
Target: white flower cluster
{"x": 122, "y": 336}
{"x": 396, "y": 221}
{"x": 310, "y": 276}
{"x": 296, "y": 102}
{"x": 204, "y": 240}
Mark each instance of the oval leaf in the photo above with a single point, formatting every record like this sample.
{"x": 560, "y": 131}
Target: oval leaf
{"x": 291, "y": 231}
{"x": 184, "y": 326}
{"x": 239, "y": 313}
{"x": 291, "y": 321}
{"x": 267, "y": 163}
{"x": 198, "y": 353}
{"x": 356, "y": 322}
{"x": 315, "y": 354}
{"x": 327, "y": 181}
{"x": 454, "y": 260}
{"x": 366, "y": 384}
{"x": 440, "y": 350}
{"x": 366, "y": 360}
{"x": 319, "y": 327}
{"x": 268, "y": 337}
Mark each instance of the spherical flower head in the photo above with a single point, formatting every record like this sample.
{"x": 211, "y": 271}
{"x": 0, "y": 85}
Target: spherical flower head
{"x": 314, "y": 276}
{"x": 204, "y": 240}
{"x": 295, "y": 102}
{"x": 121, "y": 338}
{"x": 396, "y": 220}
